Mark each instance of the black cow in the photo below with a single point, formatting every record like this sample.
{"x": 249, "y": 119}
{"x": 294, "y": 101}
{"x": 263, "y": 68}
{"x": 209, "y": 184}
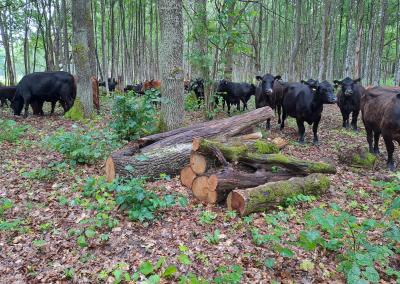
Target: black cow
{"x": 306, "y": 105}
{"x": 349, "y": 97}
{"x": 234, "y": 93}
{"x": 265, "y": 95}
{"x": 136, "y": 88}
{"x": 197, "y": 86}
{"x": 112, "y": 83}
{"x": 7, "y": 93}
{"x": 43, "y": 87}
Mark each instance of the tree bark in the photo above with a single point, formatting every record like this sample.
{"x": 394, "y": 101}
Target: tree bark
{"x": 6, "y": 44}
{"x": 260, "y": 198}
{"x": 378, "y": 64}
{"x": 103, "y": 44}
{"x": 81, "y": 23}
{"x": 171, "y": 67}
{"x": 296, "y": 46}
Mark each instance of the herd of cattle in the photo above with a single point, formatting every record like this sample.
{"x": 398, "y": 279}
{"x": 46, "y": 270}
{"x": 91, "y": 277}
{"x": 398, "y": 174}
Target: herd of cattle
{"x": 380, "y": 106}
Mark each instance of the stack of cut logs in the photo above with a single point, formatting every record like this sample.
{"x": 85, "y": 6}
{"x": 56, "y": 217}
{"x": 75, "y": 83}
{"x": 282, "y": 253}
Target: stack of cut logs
{"x": 229, "y": 162}
{"x": 249, "y": 173}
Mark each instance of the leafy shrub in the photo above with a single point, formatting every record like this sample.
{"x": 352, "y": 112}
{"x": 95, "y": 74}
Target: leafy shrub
{"x": 135, "y": 116}
{"x": 340, "y": 231}
{"x": 140, "y": 203}
{"x": 82, "y": 146}
{"x": 191, "y": 102}
{"x": 10, "y": 131}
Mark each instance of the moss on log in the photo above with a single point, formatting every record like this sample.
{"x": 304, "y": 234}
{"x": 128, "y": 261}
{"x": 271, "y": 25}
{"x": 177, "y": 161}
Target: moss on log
{"x": 260, "y": 198}
{"x": 358, "y": 157}
{"x": 77, "y": 112}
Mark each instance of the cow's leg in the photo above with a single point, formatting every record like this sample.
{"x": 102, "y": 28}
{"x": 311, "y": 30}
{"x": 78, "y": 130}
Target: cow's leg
{"x": 53, "y": 106}
{"x": 268, "y": 124}
{"x": 346, "y": 116}
{"x": 315, "y": 131}
{"x": 369, "y": 138}
{"x": 377, "y": 134}
{"x": 354, "y": 119}
{"x": 302, "y": 130}
{"x": 27, "y": 101}
{"x": 283, "y": 119}
{"x": 238, "y": 106}
{"x": 228, "y": 105}
{"x": 279, "y": 108}
{"x": 390, "y": 149}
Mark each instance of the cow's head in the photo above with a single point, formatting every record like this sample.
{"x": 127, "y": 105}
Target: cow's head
{"x": 267, "y": 83}
{"x": 347, "y": 85}
{"x": 313, "y": 84}
{"x": 197, "y": 85}
{"x": 325, "y": 93}
{"x": 17, "y": 104}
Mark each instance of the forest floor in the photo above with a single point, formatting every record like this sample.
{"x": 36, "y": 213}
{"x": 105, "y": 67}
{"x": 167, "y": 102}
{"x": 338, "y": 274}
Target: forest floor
{"x": 40, "y": 244}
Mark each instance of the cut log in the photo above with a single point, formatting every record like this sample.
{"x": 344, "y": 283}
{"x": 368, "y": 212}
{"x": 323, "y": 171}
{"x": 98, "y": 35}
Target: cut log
{"x": 228, "y": 127}
{"x": 148, "y": 164}
{"x": 187, "y": 176}
{"x": 198, "y": 163}
{"x": 215, "y": 187}
{"x": 262, "y": 197}
{"x": 253, "y": 154}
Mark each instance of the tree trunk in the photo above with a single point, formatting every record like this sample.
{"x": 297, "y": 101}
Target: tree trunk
{"x": 230, "y": 44}
{"x": 6, "y": 44}
{"x": 171, "y": 67}
{"x": 323, "y": 62}
{"x": 66, "y": 62}
{"x": 260, "y": 198}
{"x": 378, "y": 64}
{"x": 81, "y": 23}
{"x": 103, "y": 43}
{"x": 295, "y": 50}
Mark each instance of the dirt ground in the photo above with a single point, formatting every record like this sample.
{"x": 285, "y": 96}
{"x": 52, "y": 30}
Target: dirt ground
{"x": 43, "y": 217}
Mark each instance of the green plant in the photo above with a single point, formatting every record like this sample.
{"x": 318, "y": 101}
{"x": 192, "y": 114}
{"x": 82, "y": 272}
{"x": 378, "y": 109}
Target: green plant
{"x": 191, "y": 102}
{"x": 5, "y": 204}
{"x": 69, "y": 273}
{"x": 207, "y": 217}
{"x": 135, "y": 116}
{"x": 341, "y": 231}
{"x": 213, "y": 238}
{"x": 10, "y": 131}
{"x": 83, "y": 146}
{"x": 140, "y": 203}
{"x": 229, "y": 275}
{"x": 300, "y": 198}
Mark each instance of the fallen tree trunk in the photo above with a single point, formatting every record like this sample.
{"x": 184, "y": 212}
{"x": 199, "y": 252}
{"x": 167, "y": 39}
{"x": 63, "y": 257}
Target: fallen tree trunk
{"x": 187, "y": 176}
{"x": 260, "y": 198}
{"x": 228, "y": 127}
{"x": 169, "y": 152}
{"x": 215, "y": 187}
{"x": 254, "y": 154}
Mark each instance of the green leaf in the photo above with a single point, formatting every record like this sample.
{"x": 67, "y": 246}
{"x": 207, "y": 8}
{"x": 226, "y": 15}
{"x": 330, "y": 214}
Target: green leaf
{"x": 153, "y": 279}
{"x": 371, "y": 274}
{"x": 118, "y": 273}
{"x": 285, "y": 252}
{"x": 269, "y": 262}
{"x": 184, "y": 259}
{"x": 169, "y": 271}
{"x": 160, "y": 262}
{"x": 146, "y": 268}
{"x": 82, "y": 241}
{"x": 90, "y": 233}
{"x": 307, "y": 265}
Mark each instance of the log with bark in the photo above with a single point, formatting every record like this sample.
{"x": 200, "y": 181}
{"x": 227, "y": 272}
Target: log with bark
{"x": 254, "y": 154}
{"x": 260, "y": 198}
{"x": 169, "y": 152}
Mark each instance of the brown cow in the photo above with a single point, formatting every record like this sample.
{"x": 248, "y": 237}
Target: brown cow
{"x": 380, "y": 108}
{"x": 152, "y": 84}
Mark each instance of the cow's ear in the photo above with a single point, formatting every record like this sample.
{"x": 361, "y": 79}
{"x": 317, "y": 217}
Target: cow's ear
{"x": 259, "y": 78}
{"x": 337, "y": 82}
{"x": 278, "y": 77}
{"x": 357, "y": 80}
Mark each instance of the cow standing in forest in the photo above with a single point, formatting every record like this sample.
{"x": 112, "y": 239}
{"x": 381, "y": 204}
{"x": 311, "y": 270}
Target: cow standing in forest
{"x": 303, "y": 103}
{"x": 349, "y": 99}
{"x": 234, "y": 93}
{"x": 43, "y": 87}
{"x": 380, "y": 108}
{"x": 112, "y": 84}
{"x": 265, "y": 94}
